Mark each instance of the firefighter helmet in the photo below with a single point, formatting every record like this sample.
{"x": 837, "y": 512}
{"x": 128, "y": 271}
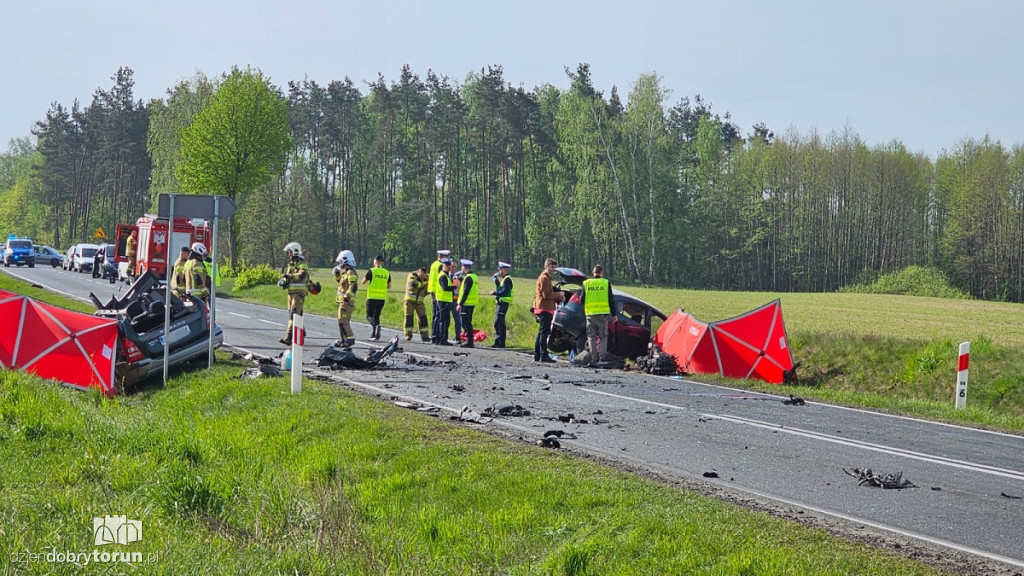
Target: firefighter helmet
{"x": 199, "y": 248}
{"x": 346, "y": 257}
{"x": 294, "y": 249}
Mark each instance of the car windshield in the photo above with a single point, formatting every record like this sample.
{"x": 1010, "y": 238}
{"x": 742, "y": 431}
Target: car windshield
{"x": 88, "y": 253}
{"x": 20, "y": 244}
{"x": 109, "y": 250}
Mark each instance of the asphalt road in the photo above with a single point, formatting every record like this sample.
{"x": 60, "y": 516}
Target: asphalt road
{"x": 966, "y": 503}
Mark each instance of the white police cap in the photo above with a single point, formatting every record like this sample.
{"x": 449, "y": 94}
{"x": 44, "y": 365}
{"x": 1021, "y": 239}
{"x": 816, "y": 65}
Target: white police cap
{"x": 466, "y": 262}
{"x": 504, "y": 265}
{"x": 443, "y": 252}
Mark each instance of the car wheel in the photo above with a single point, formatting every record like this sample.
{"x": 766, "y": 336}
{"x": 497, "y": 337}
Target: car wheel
{"x": 53, "y": 263}
{"x": 32, "y": 265}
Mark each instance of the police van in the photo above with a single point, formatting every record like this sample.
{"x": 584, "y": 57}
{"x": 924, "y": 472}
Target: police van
{"x": 19, "y": 251}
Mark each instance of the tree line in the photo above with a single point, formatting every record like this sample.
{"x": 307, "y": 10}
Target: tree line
{"x": 672, "y": 194}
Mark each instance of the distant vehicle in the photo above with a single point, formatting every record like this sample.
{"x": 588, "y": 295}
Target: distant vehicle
{"x": 140, "y": 323}
{"x": 19, "y": 251}
{"x": 83, "y": 259}
{"x": 69, "y": 258}
{"x": 156, "y": 242}
{"x": 629, "y": 334}
{"x": 103, "y": 265}
{"x": 47, "y": 255}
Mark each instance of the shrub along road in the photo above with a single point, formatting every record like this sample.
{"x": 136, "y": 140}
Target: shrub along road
{"x": 743, "y": 446}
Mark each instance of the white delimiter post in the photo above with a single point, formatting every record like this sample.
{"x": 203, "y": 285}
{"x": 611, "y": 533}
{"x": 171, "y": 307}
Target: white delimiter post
{"x": 298, "y": 339}
{"x": 961, "y": 375}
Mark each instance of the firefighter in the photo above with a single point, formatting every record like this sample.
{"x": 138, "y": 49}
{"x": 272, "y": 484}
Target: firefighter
{"x": 468, "y": 297}
{"x": 503, "y": 297}
{"x": 435, "y": 270}
{"x": 197, "y": 281}
{"x": 415, "y": 295}
{"x": 178, "y": 272}
{"x": 131, "y": 245}
{"x": 294, "y": 281}
{"x": 379, "y": 280}
{"x": 348, "y": 285}
{"x": 443, "y": 293}
{"x": 596, "y": 298}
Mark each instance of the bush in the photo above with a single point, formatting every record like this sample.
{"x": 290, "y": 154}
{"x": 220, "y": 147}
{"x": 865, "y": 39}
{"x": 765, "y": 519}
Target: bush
{"x": 911, "y": 281}
{"x": 262, "y": 275}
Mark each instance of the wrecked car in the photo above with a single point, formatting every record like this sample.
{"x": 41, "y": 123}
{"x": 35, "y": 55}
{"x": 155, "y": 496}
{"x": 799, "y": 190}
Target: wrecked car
{"x": 629, "y": 333}
{"x": 140, "y": 323}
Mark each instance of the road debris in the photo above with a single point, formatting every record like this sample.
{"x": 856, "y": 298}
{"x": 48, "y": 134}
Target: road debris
{"x": 340, "y": 358}
{"x": 416, "y": 406}
{"x": 549, "y": 443}
{"x": 467, "y": 415}
{"x": 559, "y": 434}
{"x": 260, "y": 371}
{"x": 710, "y": 474}
{"x": 1010, "y": 496}
{"x": 794, "y": 401}
{"x": 495, "y": 410}
{"x": 887, "y": 481}
{"x": 661, "y": 364}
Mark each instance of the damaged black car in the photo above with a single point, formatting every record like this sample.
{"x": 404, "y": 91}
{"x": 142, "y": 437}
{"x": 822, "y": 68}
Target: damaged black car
{"x": 629, "y": 333}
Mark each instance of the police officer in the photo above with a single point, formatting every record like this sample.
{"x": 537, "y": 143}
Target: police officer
{"x": 415, "y": 295}
{"x": 379, "y": 280}
{"x": 348, "y": 285}
{"x": 178, "y": 272}
{"x": 597, "y": 305}
{"x": 443, "y": 293}
{"x": 468, "y": 297}
{"x": 435, "y": 270}
{"x": 503, "y": 297}
{"x": 294, "y": 281}
{"x": 197, "y": 281}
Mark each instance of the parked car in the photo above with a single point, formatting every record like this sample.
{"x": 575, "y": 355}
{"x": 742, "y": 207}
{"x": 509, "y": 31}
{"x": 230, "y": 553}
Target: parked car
{"x": 47, "y": 255}
{"x": 629, "y": 333}
{"x": 84, "y": 254}
{"x": 103, "y": 264}
{"x": 18, "y": 251}
{"x": 140, "y": 323}
{"x": 69, "y": 258}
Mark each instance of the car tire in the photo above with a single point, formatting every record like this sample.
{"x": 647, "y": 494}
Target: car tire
{"x": 32, "y": 265}
{"x": 53, "y": 263}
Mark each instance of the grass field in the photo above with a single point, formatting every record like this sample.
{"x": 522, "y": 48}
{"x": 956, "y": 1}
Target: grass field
{"x": 892, "y": 353}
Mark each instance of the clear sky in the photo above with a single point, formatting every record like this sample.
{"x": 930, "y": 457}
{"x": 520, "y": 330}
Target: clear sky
{"x": 926, "y": 72}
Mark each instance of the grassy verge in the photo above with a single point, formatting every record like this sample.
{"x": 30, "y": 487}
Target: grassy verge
{"x": 892, "y": 353}
{"x": 235, "y": 476}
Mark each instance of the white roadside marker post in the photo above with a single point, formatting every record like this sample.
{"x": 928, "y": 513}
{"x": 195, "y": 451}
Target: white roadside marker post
{"x": 298, "y": 339}
{"x": 961, "y": 375}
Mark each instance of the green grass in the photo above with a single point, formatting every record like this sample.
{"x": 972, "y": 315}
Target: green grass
{"x": 235, "y": 476}
{"x": 885, "y": 352}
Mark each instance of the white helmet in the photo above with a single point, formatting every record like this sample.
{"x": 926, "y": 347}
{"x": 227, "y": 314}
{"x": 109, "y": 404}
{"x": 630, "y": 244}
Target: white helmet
{"x": 346, "y": 257}
{"x": 198, "y": 248}
{"x": 294, "y": 249}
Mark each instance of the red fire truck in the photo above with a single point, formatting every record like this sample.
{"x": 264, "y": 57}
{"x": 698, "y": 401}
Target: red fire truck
{"x": 152, "y": 242}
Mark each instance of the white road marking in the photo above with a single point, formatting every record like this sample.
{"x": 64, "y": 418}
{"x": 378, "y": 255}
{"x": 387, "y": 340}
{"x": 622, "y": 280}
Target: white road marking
{"x": 269, "y": 322}
{"x": 239, "y": 315}
{"x": 1015, "y": 474}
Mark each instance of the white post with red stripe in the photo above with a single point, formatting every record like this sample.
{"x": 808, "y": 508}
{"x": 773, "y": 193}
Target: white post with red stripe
{"x": 961, "y": 375}
{"x": 298, "y": 339}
